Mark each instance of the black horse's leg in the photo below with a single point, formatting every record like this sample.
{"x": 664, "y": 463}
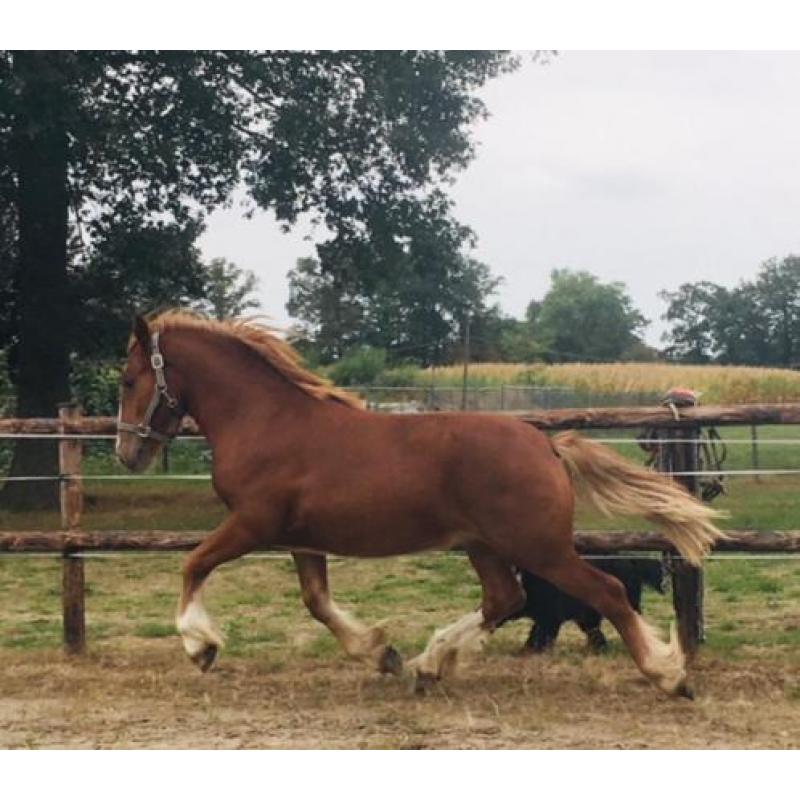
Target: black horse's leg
{"x": 542, "y": 636}
{"x": 589, "y": 623}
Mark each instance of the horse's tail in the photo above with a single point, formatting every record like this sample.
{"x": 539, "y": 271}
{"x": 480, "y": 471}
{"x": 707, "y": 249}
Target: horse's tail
{"x": 616, "y": 486}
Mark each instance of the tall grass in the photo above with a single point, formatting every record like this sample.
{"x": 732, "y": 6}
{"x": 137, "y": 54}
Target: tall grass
{"x": 718, "y": 384}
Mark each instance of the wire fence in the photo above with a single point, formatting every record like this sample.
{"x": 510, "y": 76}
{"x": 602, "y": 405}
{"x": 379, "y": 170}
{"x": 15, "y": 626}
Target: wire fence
{"x": 502, "y": 397}
{"x": 171, "y": 476}
{"x": 203, "y": 456}
{"x": 166, "y": 475}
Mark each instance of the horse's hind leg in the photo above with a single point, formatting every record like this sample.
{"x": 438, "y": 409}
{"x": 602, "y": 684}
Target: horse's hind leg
{"x": 356, "y": 638}
{"x": 663, "y": 664}
{"x": 502, "y": 597}
{"x": 201, "y": 637}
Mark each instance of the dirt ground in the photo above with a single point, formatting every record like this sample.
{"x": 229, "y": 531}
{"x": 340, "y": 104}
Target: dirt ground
{"x": 283, "y": 682}
{"x": 144, "y": 694}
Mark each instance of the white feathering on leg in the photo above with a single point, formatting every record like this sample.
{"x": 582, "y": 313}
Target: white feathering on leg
{"x": 197, "y": 628}
{"x": 448, "y": 644}
{"x": 665, "y": 663}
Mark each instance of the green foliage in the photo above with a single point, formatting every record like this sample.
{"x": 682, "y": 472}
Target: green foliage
{"x": 359, "y": 367}
{"x": 330, "y": 319}
{"x": 497, "y": 337}
{"x": 756, "y": 322}
{"x": 228, "y": 290}
{"x": 159, "y": 265}
{"x": 518, "y": 344}
{"x": 583, "y": 319}
{"x": 402, "y": 375}
{"x": 777, "y": 300}
{"x": 639, "y": 352}
{"x": 95, "y": 386}
{"x": 136, "y": 266}
{"x": 8, "y": 260}
{"x": 6, "y": 387}
{"x": 146, "y": 142}
{"x": 336, "y": 132}
{"x": 410, "y": 300}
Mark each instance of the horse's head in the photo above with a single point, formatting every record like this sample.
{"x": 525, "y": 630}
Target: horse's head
{"x": 150, "y": 411}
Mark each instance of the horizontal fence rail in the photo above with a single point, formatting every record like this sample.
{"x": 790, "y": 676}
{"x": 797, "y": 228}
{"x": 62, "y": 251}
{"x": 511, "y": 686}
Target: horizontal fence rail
{"x": 199, "y": 476}
{"x": 588, "y": 542}
{"x": 554, "y": 419}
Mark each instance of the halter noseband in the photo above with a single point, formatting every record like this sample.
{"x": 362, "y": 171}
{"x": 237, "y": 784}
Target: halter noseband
{"x": 160, "y": 391}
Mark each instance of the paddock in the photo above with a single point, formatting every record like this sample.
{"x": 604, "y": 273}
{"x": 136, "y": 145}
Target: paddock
{"x": 281, "y": 682}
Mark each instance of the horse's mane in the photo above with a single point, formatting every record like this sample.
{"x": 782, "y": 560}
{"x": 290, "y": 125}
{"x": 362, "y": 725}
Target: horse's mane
{"x": 280, "y": 355}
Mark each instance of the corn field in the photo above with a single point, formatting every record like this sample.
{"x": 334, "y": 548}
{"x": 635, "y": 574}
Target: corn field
{"x": 718, "y": 384}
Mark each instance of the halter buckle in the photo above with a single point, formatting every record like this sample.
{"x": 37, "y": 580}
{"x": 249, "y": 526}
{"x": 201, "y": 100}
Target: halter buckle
{"x": 172, "y": 402}
{"x": 157, "y": 361}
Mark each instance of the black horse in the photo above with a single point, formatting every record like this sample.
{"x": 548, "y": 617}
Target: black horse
{"x": 550, "y": 608}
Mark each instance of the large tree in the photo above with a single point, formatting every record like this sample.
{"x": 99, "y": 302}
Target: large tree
{"x": 583, "y": 319}
{"x": 777, "y": 297}
{"x": 411, "y": 299}
{"x": 692, "y": 308}
{"x": 756, "y": 322}
{"x": 229, "y": 291}
{"x": 90, "y": 139}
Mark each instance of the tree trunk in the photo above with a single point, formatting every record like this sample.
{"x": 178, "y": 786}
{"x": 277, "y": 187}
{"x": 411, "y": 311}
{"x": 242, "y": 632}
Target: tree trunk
{"x": 42, "y": 352}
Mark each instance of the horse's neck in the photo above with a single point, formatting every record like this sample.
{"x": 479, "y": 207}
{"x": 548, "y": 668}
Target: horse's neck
{"x": 224, "y": 380}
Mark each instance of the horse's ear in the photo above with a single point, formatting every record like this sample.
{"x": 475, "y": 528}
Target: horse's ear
{"x": 141, "y": 331}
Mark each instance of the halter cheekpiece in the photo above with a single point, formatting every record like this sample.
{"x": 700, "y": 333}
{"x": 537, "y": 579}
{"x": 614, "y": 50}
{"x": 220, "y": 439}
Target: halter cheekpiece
{"x": 160, "y": 391}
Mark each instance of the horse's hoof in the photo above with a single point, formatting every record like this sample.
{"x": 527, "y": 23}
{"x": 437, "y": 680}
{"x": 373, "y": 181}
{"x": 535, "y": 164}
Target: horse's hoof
{"x": 390, "y": 662}
{"x": 425, "y": 682}
{"x": 206, "y": 657}
{"x": 684, "y": 691}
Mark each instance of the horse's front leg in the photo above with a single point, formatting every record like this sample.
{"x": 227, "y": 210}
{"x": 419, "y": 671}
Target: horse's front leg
{"x": 201, "y": 637}
{"x": 356, "y": 638}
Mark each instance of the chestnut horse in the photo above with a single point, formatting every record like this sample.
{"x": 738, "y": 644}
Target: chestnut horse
{"x": 302, "y": 466}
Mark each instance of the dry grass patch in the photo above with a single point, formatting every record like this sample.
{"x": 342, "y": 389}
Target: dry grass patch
{"x": 145, "y": 695}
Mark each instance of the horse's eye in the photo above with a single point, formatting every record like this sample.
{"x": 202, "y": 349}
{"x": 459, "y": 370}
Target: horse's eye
{"x": 127, "y": 383}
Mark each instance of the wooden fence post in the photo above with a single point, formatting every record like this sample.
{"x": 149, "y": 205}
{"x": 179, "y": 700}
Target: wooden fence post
{"x": 70, "y": 452}
{"x": 677, "y": 455}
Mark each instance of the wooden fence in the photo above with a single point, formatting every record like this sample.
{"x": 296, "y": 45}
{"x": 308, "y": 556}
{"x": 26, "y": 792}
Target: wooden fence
{"x": 678, "y": 429}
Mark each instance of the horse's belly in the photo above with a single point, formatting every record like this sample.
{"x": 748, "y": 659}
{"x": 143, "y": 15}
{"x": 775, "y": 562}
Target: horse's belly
{"x": 378, "y": 537}
{"x": 376, "y": 513}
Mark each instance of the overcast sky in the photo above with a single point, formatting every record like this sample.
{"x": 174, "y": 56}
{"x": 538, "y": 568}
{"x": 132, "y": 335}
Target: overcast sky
{"x": 648, "y": 168}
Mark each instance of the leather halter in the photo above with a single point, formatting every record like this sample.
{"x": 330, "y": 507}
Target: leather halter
{"x": 160, "y": 391}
